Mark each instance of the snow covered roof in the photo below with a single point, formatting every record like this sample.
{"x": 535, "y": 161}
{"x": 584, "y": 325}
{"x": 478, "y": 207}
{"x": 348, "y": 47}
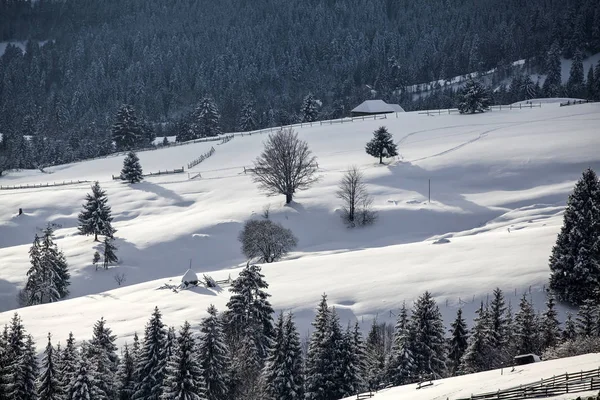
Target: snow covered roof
{"x": 376, "y": 107}
{"x": 190, "y": 276}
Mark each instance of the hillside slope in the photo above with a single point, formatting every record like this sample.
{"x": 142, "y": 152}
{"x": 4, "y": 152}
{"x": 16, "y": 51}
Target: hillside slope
{"x": 499, "y": 182}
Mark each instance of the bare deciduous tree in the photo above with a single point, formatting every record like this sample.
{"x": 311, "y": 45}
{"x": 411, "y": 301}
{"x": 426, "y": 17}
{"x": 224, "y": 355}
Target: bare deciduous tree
{"x": 120, "y": 278}
{"x": 352, "y": 190}
{"x": 285, "y": 166}
{"x": 266, "y": 240}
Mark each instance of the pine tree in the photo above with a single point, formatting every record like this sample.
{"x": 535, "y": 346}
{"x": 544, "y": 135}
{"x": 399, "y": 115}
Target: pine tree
{"x": 248, "y": 118}
{"x": 499, "y": 328}
{"x": 125, "y": 378}
{"x": 213, "y": 354}
{"x": 171, "y": 342}
{"x": 206, "y": 119}
{"x": 597, "y": 81}
{"x": 150, "y": 366}
{"x": 246, "y": 365}
{"x": 575, "y": 259}
{"x": 318, "y": 360}
{"x": 283, "y": 368}
{"x": 82, "y": 387}
{"x": 479, "y": 353}
{"x": 575, "y": 82}
{"x": 95, "y": 219}
{"x": 335, "y": 345}
{"x": 570, "y": 331}
{"x": 69, "y": 363}
{"x": 525, "y": 328}
{"x": 132, "y": 170}
{"x": 249, "y": 309}
{"x": 96, "y": 259}
{"x": 587, "y": 319}
{"x": 126, "y": 131}
{"x": 5, "y": 362}
{"x": 309, "y": 110}
{"x": 103, "y": 358}
{"x": 49, "y": 385}
{"x": 474, "y": 97}
{"x": 590, "y": 84}
{"x": 553, "y": 83}
{"x": 35, "y": 274}
{"x": 352, "y": 364}
{"x": 109, "y": 252}
{"x": 183, "y": 375}
{"x": 375, "y": 356}
{"x": 550, "y": 335}
{"x": 402, "y": 363}
{"x": 23, "y": 373}
{"x": 429, "y": 342}
{"x": 382, "y": 145}
{"x": 458, "y": 342}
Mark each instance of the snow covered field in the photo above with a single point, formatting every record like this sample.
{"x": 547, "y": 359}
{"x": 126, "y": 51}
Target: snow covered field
{"x": 499, "y": 182}
{"x": 489, "y": 381}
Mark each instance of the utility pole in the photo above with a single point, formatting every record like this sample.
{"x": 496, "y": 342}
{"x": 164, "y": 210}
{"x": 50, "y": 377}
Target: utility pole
{"x": 429, "y": 190}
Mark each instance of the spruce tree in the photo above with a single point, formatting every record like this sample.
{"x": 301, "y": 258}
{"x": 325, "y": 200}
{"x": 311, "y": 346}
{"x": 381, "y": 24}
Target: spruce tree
{"x": 35, "y": 275}
{"x": 82, "y": 386}
{"x": 382, "y": 145}
{"x": 245, "y": 368}
{"x": 283, "y": 368}
{"x": 375, "y": 356}
{"x": 458, "y": 342}
{"x": 213, "y": 353}
{"x": 478, "y": 354}
{"x": 4, "y": 363}
{"x": 103, "y": 358}
{"x": 206, "y": 119}
{"x": 334, "y": 385}
{"x": 49, "y": 385}
{"x": 318, "y": 359}
{"x": 125, "y": 378}
{"x": 23, "y": 373}
{"x": 248, "y": 118}
{"x": 109, "y": 252}
{"x": 575, "y": 82}
{"x": 550, "y": 335}
{"x": 473, "y": 98}
{"x": 553, "y": 83}
{"x": 499, "y": 329}
{"x": 590, "y": 84}
{"x": 587, "y": 319}
{"x": 401, "y": 369}
{"x": 575, "y": 259}
{"x": 132, "y": 170}
{"x": 69, "y": 363}
{"x": 597, "y": 81}
{"x": 171, "y": 342}
{"x": 150, "y": 366}
{"x": 429, "y": 352}
{"x": 249, "y": 310}
{"x": 95, "y": 219}
{"x": 525, "y": 328}
{"x": 353, "y": 366}
{"x": 309, "y": 110}
{"x": 55, "y": 266}
{"x": 126, "y": 131}
{"x": 570, "y": 331}
{"x": 184, "y": 379}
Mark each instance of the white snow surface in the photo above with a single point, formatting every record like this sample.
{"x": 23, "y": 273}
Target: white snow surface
{"x": 499, "y": 183}
{"x": 489, "y": 381}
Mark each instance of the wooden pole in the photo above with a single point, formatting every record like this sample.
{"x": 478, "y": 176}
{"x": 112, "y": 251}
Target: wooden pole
{"x": 429, "y": 198}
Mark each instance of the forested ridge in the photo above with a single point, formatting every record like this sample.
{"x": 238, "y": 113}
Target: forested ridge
{"x": 164, "y": 57}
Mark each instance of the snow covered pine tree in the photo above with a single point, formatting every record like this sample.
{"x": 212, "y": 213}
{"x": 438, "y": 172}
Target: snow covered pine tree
{"x": 95, "y": 219}
{"x": 132, "y": 170}
{"x": 382, "y": 145}
{"x": 473, "y": 98}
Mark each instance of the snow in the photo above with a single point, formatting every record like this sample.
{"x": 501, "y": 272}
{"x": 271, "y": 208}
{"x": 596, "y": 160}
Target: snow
{"x": 484, "y": 382}
{"x": 377, "y": 107}
{"x": 189, "y": 276}
{"x": 22, "y": 44}
{"x": 499, "y": 183}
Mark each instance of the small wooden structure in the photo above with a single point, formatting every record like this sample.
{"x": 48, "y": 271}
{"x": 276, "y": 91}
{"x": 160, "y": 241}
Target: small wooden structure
{"x": 374, "y": 107}
{"x": 523, "y": 359}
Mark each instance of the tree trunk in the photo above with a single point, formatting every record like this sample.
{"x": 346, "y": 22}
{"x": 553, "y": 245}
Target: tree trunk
{"x": 95, "y": 236}
{"x": 380, "y": 158}
{"x": 288, "y": 198}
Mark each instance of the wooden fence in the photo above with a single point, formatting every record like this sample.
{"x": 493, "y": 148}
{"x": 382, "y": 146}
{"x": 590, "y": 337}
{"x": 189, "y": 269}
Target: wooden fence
{"x": 166, "y": 172}
{"x": 577, "y": 382}
{"x": 574, "y": 102}
{"x": 491, "y": 108}
{"x": 201, "y": 158}
{"x": 41, "y": 185}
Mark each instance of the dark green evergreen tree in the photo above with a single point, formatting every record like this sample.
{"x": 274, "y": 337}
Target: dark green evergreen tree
{"x": 587, "y": 319}
{"x": 352, "y": 361}
{"x": 553, "y": 83}
{"x": 375, "y": 356}
{"x": 479, "y": 354}
{"x": 23, "y": 373}
{"x": 132, "y": 169}
{"x": 82, "y": 387}
{"x": 69, "y": 363}
{"x": 103, "y": 358}
{"x": 429, "y": 348}
{"x": 184, "y": 379}
{"x": 401, "y": 368}
{"x": 125, "y": 378}
{"x": 126, "y": 131}
{"x": 590, "y": 84}
{"x": 150, "y": 368}
{"x": 570, "y": 330}
{"x": 575, "y": 259}
{"x": 382, "y": 145}
{"x": 473, "y": 98}
{"x": 206, "y": 119}
{"x": 309, "y": 111}
{"x": 318, "y": 371}
{"x": 109, "y": 252}
{"x": 248, "y": 118}
{"x": 283, "y": 372}
{"x": 550, "y": 335}
{"x": 213, "y": 353}
{"x": 575, "y": 84}
{"x": 526, "y": 328}
{"x": 95, "y": 219}
{"x": 49, "y": 383}
{"x": 459, "y": 336}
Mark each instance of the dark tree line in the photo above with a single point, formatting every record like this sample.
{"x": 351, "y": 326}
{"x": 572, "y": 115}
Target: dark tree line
{"x": 243, "y": 354}
{"x": 316, "y": 59}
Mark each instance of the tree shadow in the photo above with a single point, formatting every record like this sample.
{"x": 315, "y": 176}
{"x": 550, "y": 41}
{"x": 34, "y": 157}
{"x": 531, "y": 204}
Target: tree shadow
{"x": 163, "y": 192}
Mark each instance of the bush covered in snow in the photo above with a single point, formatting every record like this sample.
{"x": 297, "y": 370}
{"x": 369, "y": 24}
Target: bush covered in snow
{"x": 266, "y": 240}
{"x": 574, "y": 347}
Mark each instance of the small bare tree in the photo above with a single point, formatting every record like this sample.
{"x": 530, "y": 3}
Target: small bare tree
{"x": 120, "y": 278}
{"x": 266, "y": 240}
{"x": 285, "y": 166}
{"x": 352, "y": 190}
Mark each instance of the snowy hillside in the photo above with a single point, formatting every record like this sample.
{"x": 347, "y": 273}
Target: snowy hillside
{"x": 499, "y": 182}
{"x": 483, "y": 382}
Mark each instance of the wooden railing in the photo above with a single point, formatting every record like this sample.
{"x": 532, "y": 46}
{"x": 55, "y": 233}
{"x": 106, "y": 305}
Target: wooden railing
{"x": 166, "y": 172}
{"x": 491, "y": 108}
{"x": 41, "y": 185}
{"x": 202, "y": 157}
{"x": 574, "y": 102}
